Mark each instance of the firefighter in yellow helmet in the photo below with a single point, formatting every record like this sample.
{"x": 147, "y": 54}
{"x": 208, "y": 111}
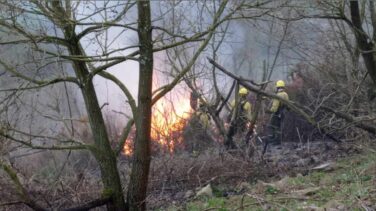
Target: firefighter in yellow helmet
{"x": 277, "y": 109}
{"x": 244, "y": 107}
{"x": 240, "y": 116}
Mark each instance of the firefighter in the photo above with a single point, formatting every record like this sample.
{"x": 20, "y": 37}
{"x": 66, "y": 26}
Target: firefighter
{"x": 202, "y": 115}
{"x": 239, "y": 117}
{"x": 242, "y": 111}
{"x": 199, "y": 129}
{"x": 277, "y": 111}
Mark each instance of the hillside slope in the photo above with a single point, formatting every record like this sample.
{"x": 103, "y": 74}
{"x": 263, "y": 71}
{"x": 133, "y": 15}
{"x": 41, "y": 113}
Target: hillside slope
{"x": 346, "y": 184}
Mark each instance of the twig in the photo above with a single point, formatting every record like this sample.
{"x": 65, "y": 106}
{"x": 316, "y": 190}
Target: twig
{"x": 91, "y": 204}
{"x": 104, "y": 104}
{"x": 226, "y": 99}
{"x": 21, "y": 191}
{"x": 258, "y": 199}
{"x": 279, "y": 198}
{"x": 241, "y": 203}
{"x": 213, "y": 208}
{"x": 349, "y": 118}
{"x": 292, "y": 197}
{"x": 11, "y": 203}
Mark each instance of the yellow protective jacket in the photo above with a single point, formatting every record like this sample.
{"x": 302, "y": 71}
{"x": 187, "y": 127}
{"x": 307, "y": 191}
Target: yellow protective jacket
{"x": 203, "y": 118}
{"x": 276, "y": 104}
{"x": 247, "y": 108}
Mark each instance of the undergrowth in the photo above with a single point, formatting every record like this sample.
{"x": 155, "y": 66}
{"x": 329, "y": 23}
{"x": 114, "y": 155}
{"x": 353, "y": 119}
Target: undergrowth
{"x": 350, "y": 185}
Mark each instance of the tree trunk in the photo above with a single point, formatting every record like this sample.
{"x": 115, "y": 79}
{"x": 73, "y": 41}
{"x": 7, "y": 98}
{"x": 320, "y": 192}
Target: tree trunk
{"x": 103, "y": 153}
{"x": 141, "y": 158}
{"x": 362, "y": 39}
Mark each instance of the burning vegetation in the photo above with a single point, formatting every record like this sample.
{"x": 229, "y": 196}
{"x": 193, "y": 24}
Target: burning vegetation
{"x": 169, "y": 118}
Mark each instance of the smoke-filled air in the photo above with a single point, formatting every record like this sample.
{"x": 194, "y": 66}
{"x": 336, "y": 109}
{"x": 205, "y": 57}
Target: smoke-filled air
{"x": 125, "y": 105}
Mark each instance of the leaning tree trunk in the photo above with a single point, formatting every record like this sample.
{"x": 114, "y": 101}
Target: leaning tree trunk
{"x": 141, "y": 158}
{"x": 102, "y": 150}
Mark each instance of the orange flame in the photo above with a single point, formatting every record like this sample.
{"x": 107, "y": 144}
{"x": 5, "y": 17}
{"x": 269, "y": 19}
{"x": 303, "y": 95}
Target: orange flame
{"x": 168, "y": 121}
{"x": 128, "y": 150}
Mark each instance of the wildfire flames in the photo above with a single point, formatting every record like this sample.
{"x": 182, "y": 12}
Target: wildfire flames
{"x": 127, "y": 150}
{"x": 168, "y": 121}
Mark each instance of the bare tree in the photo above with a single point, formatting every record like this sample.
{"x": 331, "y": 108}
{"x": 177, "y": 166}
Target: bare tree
{"x": 76, "y": 27}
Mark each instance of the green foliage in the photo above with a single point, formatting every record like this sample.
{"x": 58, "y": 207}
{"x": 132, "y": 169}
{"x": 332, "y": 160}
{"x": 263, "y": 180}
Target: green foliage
{"x": 193, "y": 207}
{"x": 217, "y": 203}
{"x": 106, "y": 193}
{"x": 271, "y": 190}
{"x": 345, "y": 178}
{"x": 217, "y": 191}
{"x": 316, "y": 177}
{"x": 297, "y": 181}
{"x": 350, "y": 182}
{"x": 365, "y": 178}
{"x": 325, "y": 193}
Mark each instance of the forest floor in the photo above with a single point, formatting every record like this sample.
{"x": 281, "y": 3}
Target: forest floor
{"x": 293, "y": 176}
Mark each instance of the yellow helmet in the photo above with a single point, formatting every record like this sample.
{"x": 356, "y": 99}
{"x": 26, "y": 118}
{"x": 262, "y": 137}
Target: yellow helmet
{"x": 243, "y": 91}
{"x": 280, "y": 84}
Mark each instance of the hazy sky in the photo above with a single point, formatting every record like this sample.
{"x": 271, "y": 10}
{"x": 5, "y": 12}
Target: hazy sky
{"x": 242, "y": 38}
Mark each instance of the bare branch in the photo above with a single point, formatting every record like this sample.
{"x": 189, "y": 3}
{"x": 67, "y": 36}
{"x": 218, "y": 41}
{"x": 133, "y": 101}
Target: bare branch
{"x": 124, "y": 136}
{"x": 32, "y": 37}
{"x": 90, "y": 205}
{"x": 293, "y": 106}
{"x": 125, "y": 90}
{"x": 22, "y": 192}
{"x": 178, "y": 78}
{"x": 358, "y": 123}
{"x": 16, "y": 73}
{"x": 31, "y": 146}
{"x": 102, "y": 26}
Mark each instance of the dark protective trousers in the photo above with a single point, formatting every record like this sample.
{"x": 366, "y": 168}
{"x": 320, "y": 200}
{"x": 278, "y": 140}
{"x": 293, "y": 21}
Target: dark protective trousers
{"x": 238, "y": 125}
{"x": 275, "y": 128}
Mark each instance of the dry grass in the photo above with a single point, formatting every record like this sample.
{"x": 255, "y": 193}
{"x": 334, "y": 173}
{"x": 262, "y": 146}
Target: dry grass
{"x": 172, "y": 176}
